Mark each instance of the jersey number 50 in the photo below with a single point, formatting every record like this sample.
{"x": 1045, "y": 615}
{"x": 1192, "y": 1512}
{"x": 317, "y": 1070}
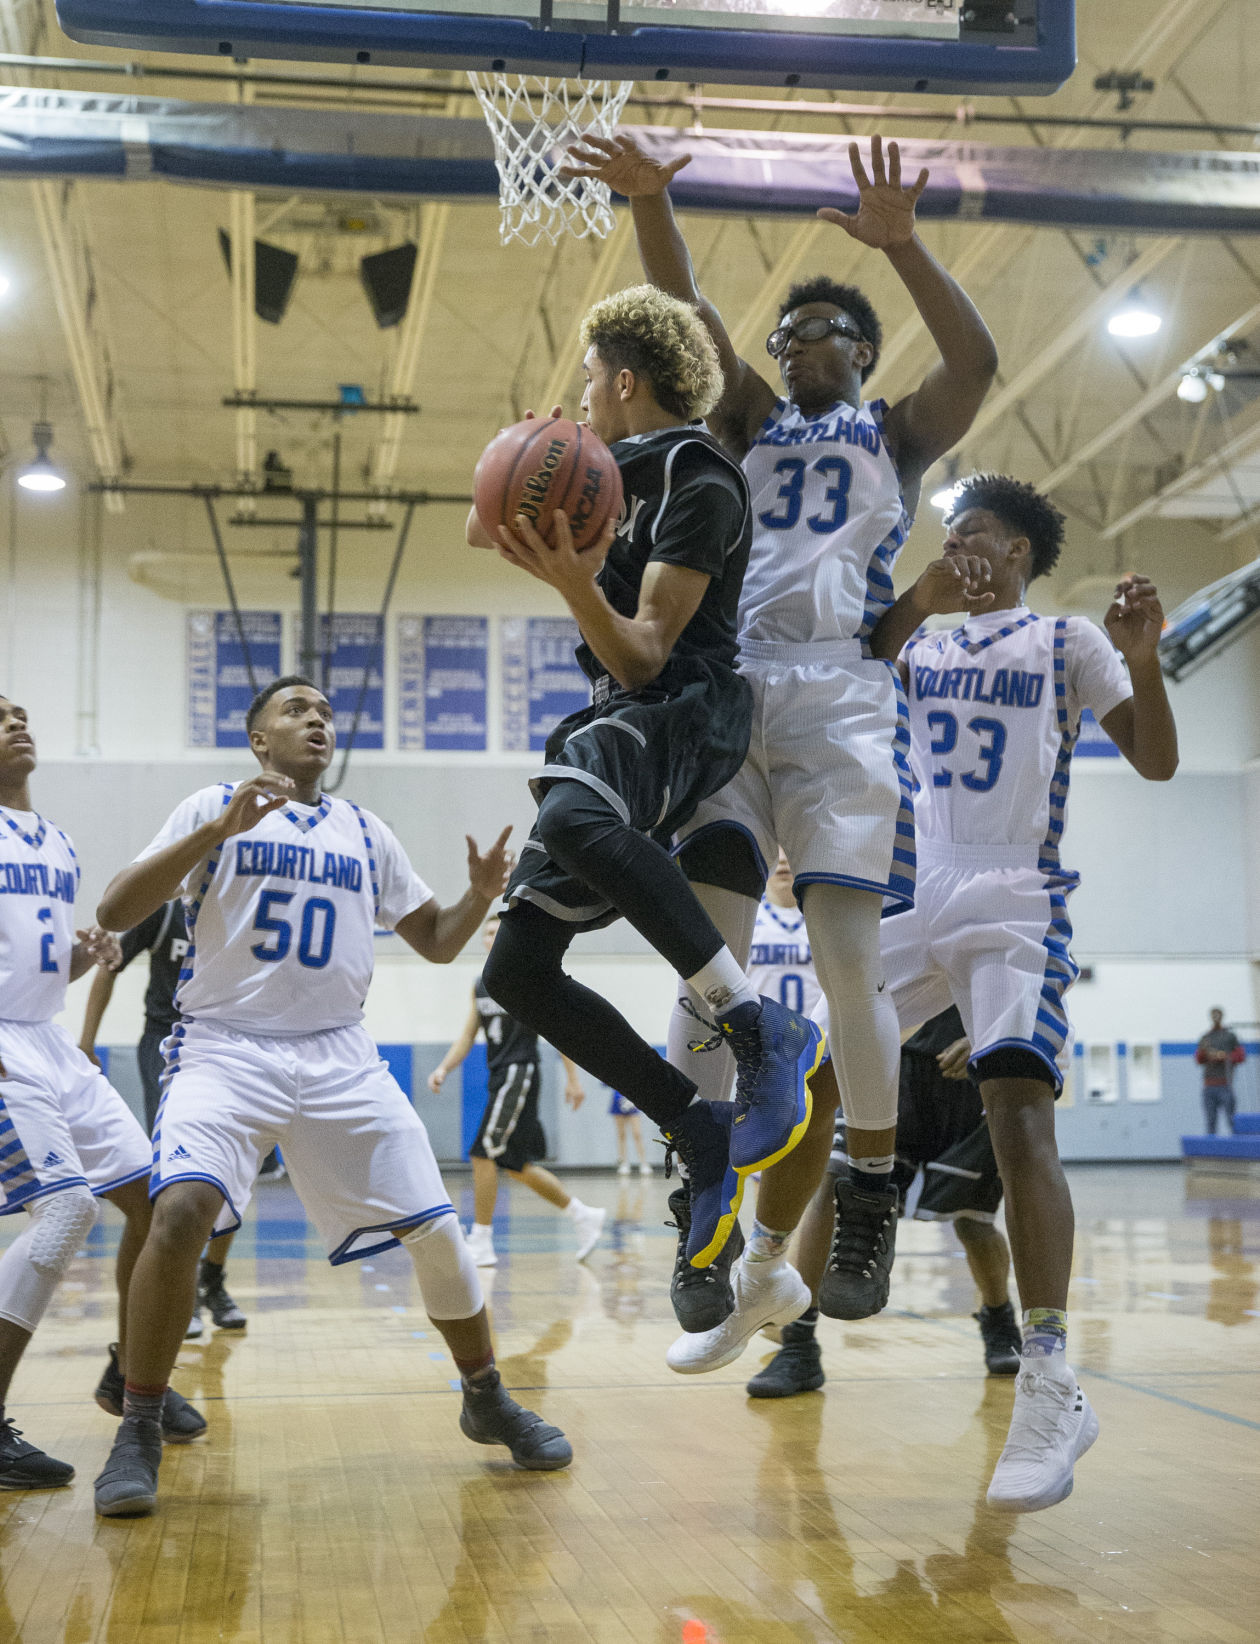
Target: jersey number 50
{"x": 313, "y": 909}
{"x": 835, "y": 497}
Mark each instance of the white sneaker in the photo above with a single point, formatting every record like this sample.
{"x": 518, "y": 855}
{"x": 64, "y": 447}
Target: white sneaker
{"x": 645, "y": 1168}
{"x": 1051, "y": 1425}
{"x": 623, "y": 1169}
{"x": 777, "y": 1298}
{"x": 588, "y": 1224}
{"x": 481, "y": 1246}
{"x": 195, "y": 1326}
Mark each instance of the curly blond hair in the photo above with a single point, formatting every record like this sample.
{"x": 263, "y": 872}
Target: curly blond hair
{"x": 661, "y": 339}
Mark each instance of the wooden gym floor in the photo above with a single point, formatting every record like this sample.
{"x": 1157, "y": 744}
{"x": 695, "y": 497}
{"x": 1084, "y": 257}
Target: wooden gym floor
{"x": 334, "y": 1498}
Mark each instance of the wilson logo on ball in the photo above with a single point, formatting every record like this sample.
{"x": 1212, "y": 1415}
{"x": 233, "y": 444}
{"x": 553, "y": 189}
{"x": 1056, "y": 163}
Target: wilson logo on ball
{"x": 544, "y": 465}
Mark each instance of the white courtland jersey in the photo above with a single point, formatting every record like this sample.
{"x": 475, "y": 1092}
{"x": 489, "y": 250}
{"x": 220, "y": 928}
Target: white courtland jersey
{"x": 828, "y": 523}
{"x": 39, "y": 875}
{"x": 780, "y": 965}
{"x": 995, "y": 709}
{"x": 280, "y": 919}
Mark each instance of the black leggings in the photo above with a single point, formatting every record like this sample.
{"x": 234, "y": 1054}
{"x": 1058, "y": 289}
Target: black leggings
{"x": 525, "y": 974}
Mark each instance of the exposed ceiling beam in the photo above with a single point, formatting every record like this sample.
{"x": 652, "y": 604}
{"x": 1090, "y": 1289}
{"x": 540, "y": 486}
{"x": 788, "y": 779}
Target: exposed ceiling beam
{"x": 992, "y": 248}
{"x": 434, "y": 217}
{"x": 1150, "y": 401}
{"x": 244, "y": 334}
{"x": 1242, "y": 445}
{"x": 1081, "y": 324}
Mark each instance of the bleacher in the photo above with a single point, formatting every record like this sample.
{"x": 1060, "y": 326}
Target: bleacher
{"x": 1231, "y": 1155}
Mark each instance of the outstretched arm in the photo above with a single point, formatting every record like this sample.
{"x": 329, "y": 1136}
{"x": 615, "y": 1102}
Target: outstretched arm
{"x": 133, "y": 894}
{"x": 747, "y": 399}
{"x": 1142, "y": 726}
{"x": 924, "y": 425}
{"x": 439, "y": 934}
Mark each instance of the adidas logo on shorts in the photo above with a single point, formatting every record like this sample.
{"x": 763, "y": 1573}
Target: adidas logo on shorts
{"x": 51, "y": 1160}
{"x": 181, "y": 1152}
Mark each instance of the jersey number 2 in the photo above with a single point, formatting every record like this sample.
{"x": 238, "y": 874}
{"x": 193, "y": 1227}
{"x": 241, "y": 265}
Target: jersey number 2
{"x": 315, "y": 908}
{"x": 46, "y": 960}
{"x": 835, "y": 470}
{"x": 945, "y": 740}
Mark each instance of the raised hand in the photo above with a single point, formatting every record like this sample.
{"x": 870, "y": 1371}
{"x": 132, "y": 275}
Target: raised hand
{"x": 253, "y": 800}
{"x": 885, "y": 213}
{"x": 621, "y": 163}
{"x": 955, "y": 582}
{"x": 488, "y": 875}
{"x": 1135, "y": 619}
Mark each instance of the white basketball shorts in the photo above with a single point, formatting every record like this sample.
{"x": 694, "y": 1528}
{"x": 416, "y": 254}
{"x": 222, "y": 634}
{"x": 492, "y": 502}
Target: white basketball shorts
{"x": 827, "y": 775}
{"x": 356, "y": 1151}
{"x": 988, "y": 932}
{"x": 62, "y": 1123}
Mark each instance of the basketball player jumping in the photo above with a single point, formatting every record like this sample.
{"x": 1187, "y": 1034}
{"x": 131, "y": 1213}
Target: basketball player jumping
{"x": 669, "y": 725}
{"x": 834, "y": 482}
{"x": 67, "y": 1137}
{"x": 284, "y": 886}
{"x": 995, "y": 709}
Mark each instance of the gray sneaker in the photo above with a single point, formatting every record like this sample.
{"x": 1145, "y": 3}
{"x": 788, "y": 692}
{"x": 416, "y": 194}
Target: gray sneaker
{"x": 127, "y": 1485}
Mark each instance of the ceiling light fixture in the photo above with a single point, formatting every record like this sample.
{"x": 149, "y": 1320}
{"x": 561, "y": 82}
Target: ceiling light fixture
{"x": 1136, "y": 319}
{"x": 1192, "y": 388}
{"x": 40, "y": 475}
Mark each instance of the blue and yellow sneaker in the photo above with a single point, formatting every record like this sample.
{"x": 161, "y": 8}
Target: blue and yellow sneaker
{"x": 701, "y": 1137}
{"x": 777, "y": 1052}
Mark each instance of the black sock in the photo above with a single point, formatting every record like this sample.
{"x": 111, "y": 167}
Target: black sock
{"x": 524, "y": 974}
{"x": 586, "y": 837}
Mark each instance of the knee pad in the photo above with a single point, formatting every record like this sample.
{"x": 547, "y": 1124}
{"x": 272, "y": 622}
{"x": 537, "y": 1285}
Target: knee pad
{"x": 37, "y": 1260}
{"x": 60, "y": 1223}
{"x": 446, "y": 1272}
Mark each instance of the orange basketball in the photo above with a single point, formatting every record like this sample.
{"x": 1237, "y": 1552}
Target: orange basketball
{"x": 543, "y": 464}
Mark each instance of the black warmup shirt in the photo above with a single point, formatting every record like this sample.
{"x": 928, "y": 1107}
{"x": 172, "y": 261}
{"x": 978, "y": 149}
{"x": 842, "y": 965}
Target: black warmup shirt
{"x": 936, "y": 1035}
{"x": 507, "y": 1040}
{"x": 164, "y": 937}
{"x": 686, "y": 503}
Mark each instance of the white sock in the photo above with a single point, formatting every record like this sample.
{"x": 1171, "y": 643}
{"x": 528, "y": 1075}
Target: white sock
{"x": 723, "y": 983}
{"x": 575, "y": 1207}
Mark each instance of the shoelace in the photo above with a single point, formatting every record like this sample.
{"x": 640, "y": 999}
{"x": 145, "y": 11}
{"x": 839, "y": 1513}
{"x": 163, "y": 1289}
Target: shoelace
{"x": 1036, "y": 1425}
{"x": 851, "y": 1245}
{"x": 715, "y": 1032}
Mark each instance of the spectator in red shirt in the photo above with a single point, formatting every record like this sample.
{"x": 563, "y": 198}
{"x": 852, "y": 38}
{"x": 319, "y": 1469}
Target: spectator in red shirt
{"x": 1218, "y": 1054}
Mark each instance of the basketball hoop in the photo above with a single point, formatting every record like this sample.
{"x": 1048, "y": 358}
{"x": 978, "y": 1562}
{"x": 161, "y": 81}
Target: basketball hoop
{"x": 532, "y": 121}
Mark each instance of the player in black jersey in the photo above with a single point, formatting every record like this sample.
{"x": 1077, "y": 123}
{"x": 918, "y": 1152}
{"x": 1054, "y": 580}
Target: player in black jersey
{"x": 656, "y": 603}
{"x": 510, "y": 1136}
{"x": 164, "y": 937}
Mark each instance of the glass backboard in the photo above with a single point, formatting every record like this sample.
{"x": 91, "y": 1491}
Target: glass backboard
{"x": 955, "y": 46}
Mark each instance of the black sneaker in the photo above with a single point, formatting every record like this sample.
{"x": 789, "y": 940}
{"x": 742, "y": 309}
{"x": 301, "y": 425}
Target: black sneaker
{"x": 211, "y": 1294}
{"x": 272, "y": 1168}
{"x": 180, "y": 1422}
{"x": 127, "y": 1484}
{"x": 23, "y": 1467}
{"x": 855, "y": 1285}
{"x": 1003, "y": 1339}
{"x": 491, "y": 1416}
{"x": 702, "y": 1297}
{"x": 795, "y": 1368}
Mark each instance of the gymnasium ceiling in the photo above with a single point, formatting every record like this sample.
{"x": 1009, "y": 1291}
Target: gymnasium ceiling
{"x": 134, "y": 366}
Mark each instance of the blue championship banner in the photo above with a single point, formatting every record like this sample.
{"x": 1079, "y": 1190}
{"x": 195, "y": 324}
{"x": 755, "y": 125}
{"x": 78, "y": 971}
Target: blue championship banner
{"x": 443, "y": 669}
{"x": 353, "y": 643}
{"x": 218, "y": 673}
{"x": 542, "y": 682}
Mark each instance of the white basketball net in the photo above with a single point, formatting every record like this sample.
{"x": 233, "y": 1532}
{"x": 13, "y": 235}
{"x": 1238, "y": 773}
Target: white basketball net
{"x": 530, "y": 119}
